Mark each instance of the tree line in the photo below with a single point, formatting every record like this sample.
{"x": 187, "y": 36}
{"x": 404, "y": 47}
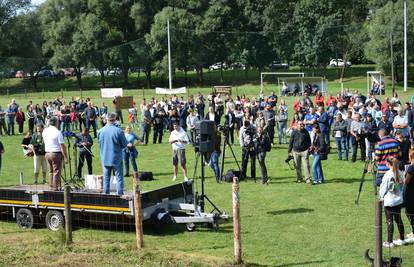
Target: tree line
{"x": 123, "y": 34}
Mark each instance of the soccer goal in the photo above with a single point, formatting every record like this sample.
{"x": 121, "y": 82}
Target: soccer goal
{"x": 276, "y": 80}
{"x": 375, "y": 82}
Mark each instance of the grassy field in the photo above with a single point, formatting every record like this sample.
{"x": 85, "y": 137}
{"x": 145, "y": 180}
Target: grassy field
{"x": 283, "y": 224}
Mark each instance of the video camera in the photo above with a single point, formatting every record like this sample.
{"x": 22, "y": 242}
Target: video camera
{"x": 288, "y": 159}
{"x": 70, "y": 134}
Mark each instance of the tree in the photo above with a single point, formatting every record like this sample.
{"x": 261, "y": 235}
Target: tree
{"x": 387, "y": 21}
{"x": 143, "y": 13}
{"x": 61, "y": 25}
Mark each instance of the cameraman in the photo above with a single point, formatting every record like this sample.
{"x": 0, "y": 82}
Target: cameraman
{"x": 84, "y": 142}
{"x": 247, "y": 133}
{"x": 299, "y": 145}
{"x": 214, "y": 156}
{"x": 262, "y": 145}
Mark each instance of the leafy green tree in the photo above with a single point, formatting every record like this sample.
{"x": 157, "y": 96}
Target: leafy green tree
{"x": 61, "y": 21}
{"x": 387, "y": 21}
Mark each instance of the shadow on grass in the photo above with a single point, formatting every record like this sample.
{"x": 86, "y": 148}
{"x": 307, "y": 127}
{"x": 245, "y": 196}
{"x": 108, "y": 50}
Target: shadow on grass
{"x": 295, "y": 264}
{"x": 289, "y": 211}
{"x": 343, "y": 180}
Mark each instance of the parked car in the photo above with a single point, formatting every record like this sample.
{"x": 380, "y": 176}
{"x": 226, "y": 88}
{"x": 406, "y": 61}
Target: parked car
{"x": 92, "y": 72}
{"x": 278, "y": 65}
{"x": 189, "y": 68}
{"x": 67, "y": 72}
{"x": 238, "y": 66}
{"x": 113, "y": 72}
{"x": 45, "y": 73}
{"x": 339, "y": 63}
{"x": 218, "y": 66}
{"x": 20, "y": 74}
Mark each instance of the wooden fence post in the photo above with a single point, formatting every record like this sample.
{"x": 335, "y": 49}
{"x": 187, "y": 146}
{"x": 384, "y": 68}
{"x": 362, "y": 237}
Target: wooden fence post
{"x": 68, "y": 215}
{"x": 138, "y": 211}
{"x": 378, "y": 234}
{"x": 236, "y": 222}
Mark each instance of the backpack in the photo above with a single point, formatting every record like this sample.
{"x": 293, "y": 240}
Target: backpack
{"x": 230, "y": 175}
{"x": 266, "y": 144}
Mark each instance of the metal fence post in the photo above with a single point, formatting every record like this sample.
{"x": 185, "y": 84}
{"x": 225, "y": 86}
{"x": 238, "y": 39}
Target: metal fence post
{"x": 138, "y": 211}
{"x": 236, "y": 222}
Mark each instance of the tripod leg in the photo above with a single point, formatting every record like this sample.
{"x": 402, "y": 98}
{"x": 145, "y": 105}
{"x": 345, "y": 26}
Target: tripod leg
{"x": 235, "y": 158}
{"x": 362, "y": 182}
{"x": 223, "y": 154}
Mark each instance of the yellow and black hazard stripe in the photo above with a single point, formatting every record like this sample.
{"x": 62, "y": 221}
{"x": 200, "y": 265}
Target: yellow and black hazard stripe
{"x": 61, "y": 205}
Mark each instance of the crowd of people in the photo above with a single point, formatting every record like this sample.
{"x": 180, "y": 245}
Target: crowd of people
{"x": 380, "y": 132}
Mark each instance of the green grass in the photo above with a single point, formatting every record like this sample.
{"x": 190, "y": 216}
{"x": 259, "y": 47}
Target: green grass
{"x": 283, "y": 224}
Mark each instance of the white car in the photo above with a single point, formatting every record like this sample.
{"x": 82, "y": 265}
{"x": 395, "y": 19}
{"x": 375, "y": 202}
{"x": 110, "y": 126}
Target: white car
{"x": 218, "y": 66}
{"x": 339, "y": 63}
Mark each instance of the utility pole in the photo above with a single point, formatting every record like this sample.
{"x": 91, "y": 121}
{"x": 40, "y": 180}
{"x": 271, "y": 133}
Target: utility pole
{"x": 392, "y": 63}
{"x": 169, "y": 55}
{"x": 405, "y": 48}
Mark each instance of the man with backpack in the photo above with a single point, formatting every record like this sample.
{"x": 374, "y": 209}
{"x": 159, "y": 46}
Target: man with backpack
{"x": 262, "y": 145}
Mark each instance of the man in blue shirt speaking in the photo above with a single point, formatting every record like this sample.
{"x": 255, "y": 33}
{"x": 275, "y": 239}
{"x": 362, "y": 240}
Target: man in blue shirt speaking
{"x": 112, "y": 141}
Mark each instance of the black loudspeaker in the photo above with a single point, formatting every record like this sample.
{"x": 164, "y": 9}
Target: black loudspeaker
{"x": 207, "y": 136}
{"x": 146, "y": 176}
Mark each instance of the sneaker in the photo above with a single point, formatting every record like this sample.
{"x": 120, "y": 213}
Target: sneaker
{"x": 399, "y": 242}
{"x": 410, "y": 235}
{"x": 174, "y": 178}
{"x": 299, "y": 181}
{"x": 308, "y": 181}
{"x": 388, "y": 244}
{"x": 185, "y": 179}
{"x": 409, "y": 239}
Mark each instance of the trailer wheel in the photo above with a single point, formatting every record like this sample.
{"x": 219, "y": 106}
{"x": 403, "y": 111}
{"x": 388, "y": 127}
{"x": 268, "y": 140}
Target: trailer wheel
{"x": 214, "y": 225}
{"x": 190, "y": 227}
{"x": 25, "y": 218}
{"x": 54, "y": 220}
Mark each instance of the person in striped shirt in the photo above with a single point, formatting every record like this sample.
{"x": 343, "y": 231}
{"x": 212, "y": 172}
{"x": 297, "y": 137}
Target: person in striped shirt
{"x": 388, "y": 147}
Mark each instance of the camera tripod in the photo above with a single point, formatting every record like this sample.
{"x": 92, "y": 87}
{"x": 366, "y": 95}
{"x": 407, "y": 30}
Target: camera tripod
{"x": 74, "y": 179}
{"x": 370, "y": 166}
{"x": 226, "y": 143}
{"x": 200, "y": 199}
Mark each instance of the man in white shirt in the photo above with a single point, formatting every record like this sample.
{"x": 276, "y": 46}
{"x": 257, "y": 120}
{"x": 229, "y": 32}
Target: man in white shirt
{"x": 179, "y": 140}
{"x": 401, "y": 122}
{"x": 55, "y": 151}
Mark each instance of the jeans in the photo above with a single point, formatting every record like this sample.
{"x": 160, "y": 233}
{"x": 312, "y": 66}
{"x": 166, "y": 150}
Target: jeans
{"x": 214, "y": 164}
{"x": 261, "y": 157}
{"x": 92, "y": 123}
{"x": 119, "y": 174}
{"x": 10, "y": 126}
{"x": 355, "y": 143}
{"x": 281, "y": 131}
{"x": 130, "y": 155}
{"x": 325, "y": 136}
{"x": 342, "y": 146}
{"x": 145, "y": 131}
{"x": 64, "y": 126}
{"x": 317, "y": 169}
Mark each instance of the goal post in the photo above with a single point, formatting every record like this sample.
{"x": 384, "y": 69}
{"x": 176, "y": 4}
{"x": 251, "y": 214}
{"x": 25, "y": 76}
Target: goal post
{"x": 279, "y": 74}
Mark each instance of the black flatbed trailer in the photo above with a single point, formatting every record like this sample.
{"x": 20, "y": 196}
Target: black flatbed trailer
{"x": 29, "y": 203}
